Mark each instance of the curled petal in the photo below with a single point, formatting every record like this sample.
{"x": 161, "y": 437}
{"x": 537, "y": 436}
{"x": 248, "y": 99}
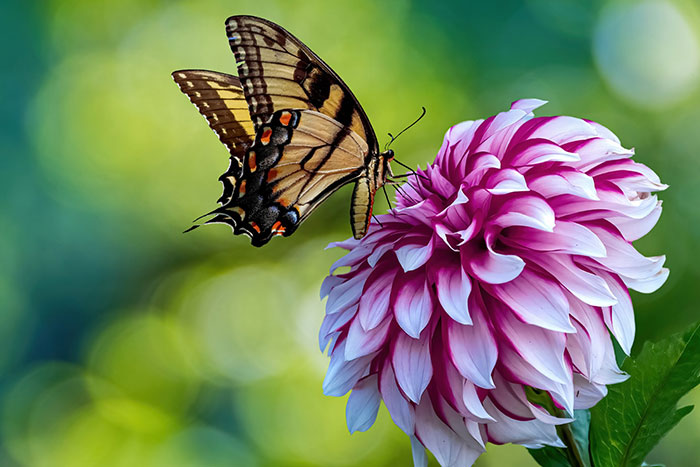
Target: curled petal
{"x": 526, "y": 211}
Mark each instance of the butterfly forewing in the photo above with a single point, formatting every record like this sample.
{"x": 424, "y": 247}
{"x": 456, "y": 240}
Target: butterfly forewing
{"x": 278, "y": 71}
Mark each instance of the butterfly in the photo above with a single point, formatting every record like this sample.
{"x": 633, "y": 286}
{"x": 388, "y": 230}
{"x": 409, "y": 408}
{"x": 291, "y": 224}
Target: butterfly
{"x": 295, "y": 132}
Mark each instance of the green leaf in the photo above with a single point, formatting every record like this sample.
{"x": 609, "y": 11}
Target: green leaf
{"x": 558, "y": 457}
{"x": 636, "y": 414}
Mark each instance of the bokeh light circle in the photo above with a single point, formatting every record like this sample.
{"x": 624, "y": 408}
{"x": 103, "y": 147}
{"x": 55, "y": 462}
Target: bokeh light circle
{"x": 647, "y": 52}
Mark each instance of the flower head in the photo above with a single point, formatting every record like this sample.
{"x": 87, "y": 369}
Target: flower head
{"x": 505, "y": 266}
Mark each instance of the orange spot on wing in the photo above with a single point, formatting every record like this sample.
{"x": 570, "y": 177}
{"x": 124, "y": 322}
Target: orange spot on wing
{"x": 278, "y": 228}
{"x": 285, "y": 117}
{"x": 241, "y": 189}
{"x": 284, "y": 202}
{"x": 255, "y": 227}
{"x": 266, "y": 135}
{"x": 252, "y": 165}
{"x": 271, "y": 175}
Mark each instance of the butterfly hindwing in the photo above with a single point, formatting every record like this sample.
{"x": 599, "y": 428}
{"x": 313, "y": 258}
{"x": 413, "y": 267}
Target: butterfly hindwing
{"x": 298, "y": 159}
{"x": 220, "y": 99}
{"x": 278, "y": 71}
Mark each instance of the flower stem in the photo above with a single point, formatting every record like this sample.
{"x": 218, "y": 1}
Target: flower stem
{"x": 572, "y": 449}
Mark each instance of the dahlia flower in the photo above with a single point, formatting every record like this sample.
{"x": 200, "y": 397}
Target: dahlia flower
{"x": 505, "y": 266}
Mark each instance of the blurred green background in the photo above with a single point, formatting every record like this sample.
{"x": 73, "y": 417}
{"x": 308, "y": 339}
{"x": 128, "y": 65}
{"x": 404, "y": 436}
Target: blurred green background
{"x": 126, "y": 343}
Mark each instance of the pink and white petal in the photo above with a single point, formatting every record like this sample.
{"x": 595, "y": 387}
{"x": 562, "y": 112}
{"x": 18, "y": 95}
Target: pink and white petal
{"x": 542, "y": 349}
{"x": 526, "y": 211}
{"x": 518, "y": 370}
{"x": 410, "y": 359}
{"x": 528, "y": 105}
{"x": 587, "y": 287}
{"x": 342, "y": 375}
{"x": 566, "y": 182}
{"x": 538, "y": 151}
{"x": 648, "y": 284}
{"x": 587, "y": 394}
{"x": 610, "y": 372}
{"x": 620, "y": 317}
{"x": 329, "y": 283}
{"x": 348, "y": 244}
{"x": 596, "y": 150}
{"x": 473, "y": 403}
{"x": 375, "y": 301}
{"x": 567, "y": 237}
{"x": 531, "y": 433}
{"x": 634, "y": 229}
{"x": 450, "y": 238}
{"x": 453, "y": 288}
{"x": 412, "y": 255}
{"x": 401, "y": 411}
{"x": 563, "y": 129}
{"x": 378, "y": 253}
{"x": 490, "y": 267}
{"x": 363, "y": 404}
{"x": 623, "y": 258}
{"x": 332, "y": 324}
{"x": 506, "y": 181}
{"x": 360, "y": 342}
{"x": 354, "y": 257}
{"x": 412, "y": 303}
{"x": 472, "y": 348}
{"x": 603, "y": 131}
{"x": 536, "y": 300}
{"x": 347, "y": 294}
{"x": 506, "y": 399}
{"x": 591, "y": 338}
{"x": 479, "y": 165}
{"x": 420, "y": 458}
{"x": 449, "y": 448}
{"x": 476, "y": 432}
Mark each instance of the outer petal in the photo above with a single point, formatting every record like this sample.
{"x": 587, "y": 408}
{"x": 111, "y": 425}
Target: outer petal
{"x": 363, "y": 404}
{"x": 342, "y": 375}
{"x": 450, "y": 449}
{"x": 402, "y": 413}
{"x": 374, "y": 303}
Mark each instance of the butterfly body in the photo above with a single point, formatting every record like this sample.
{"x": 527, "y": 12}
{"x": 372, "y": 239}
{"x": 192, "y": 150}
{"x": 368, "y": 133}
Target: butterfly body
{"x": 294, "y": 130}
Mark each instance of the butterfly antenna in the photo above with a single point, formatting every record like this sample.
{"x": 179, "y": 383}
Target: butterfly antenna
{"x": 411, "y": 171}
{"x": 393, "y": 138}
{"x": 378, "y": 221}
